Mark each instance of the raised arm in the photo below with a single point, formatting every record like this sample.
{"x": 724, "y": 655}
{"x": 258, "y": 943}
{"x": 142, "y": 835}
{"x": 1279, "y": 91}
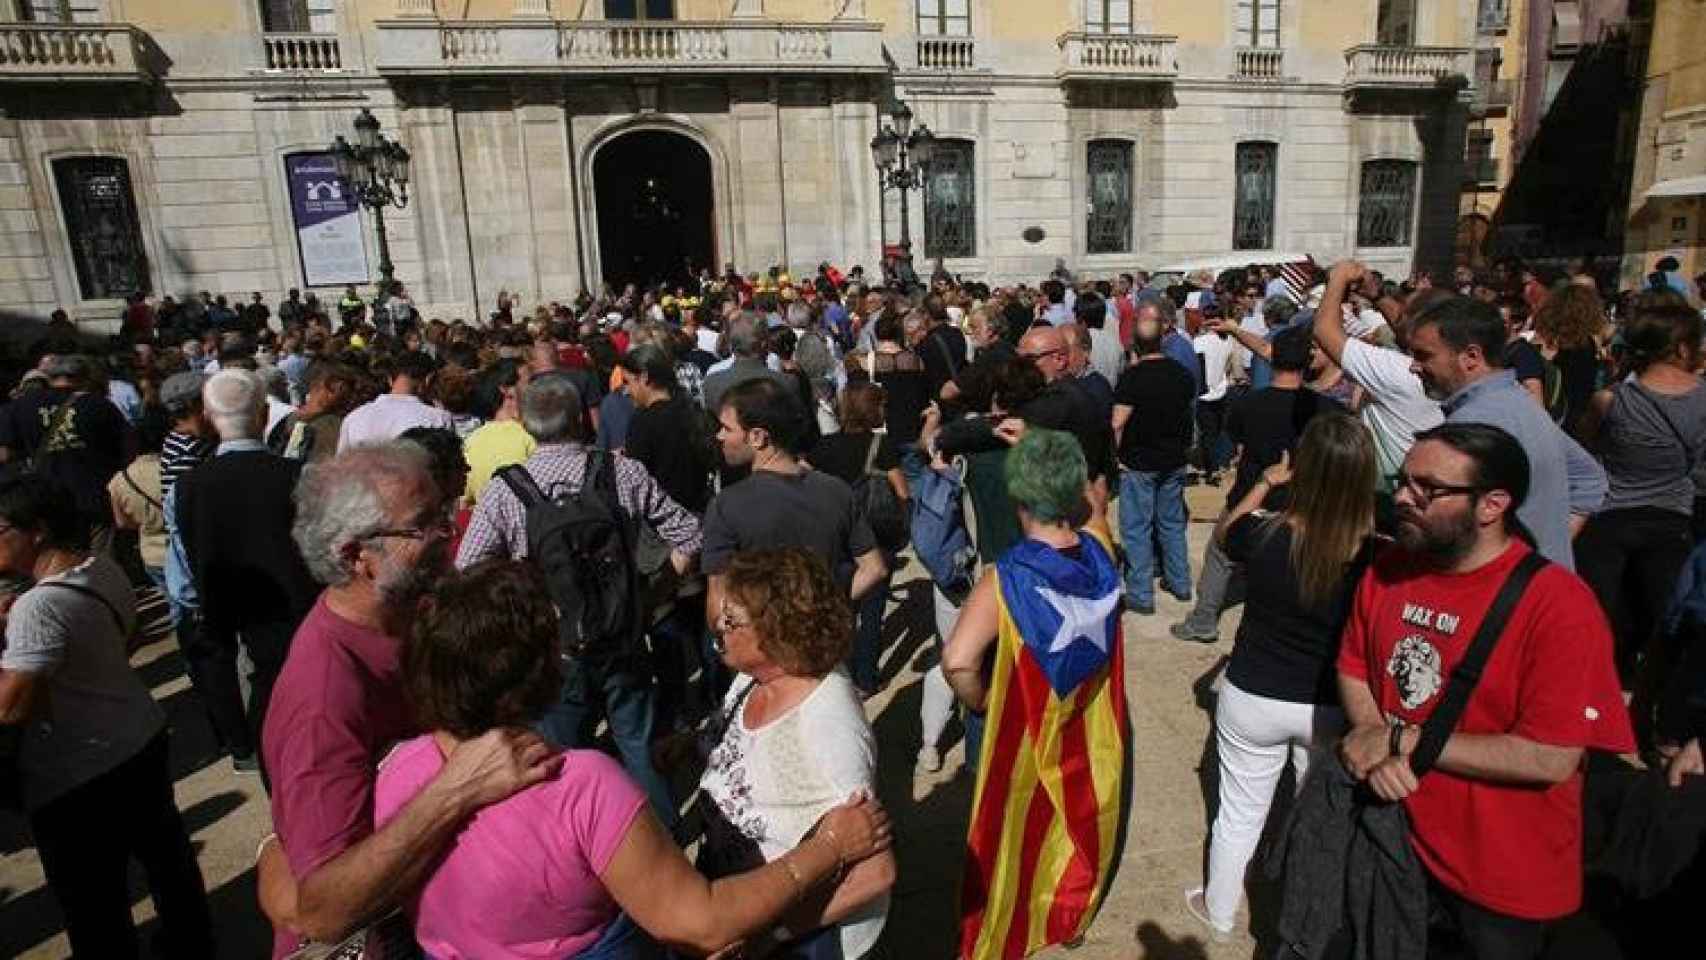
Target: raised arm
{"x": 1329, "y": 325}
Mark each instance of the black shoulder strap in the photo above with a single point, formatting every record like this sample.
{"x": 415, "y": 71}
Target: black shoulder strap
{"x": 118, "y": 618}
{"x": 1443, "y": 721}
{"x": 600, "y": 472}
{"x": 521, "y": 483}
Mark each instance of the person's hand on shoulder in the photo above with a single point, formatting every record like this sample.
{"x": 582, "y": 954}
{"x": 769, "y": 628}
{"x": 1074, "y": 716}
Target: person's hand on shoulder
{"x": 498, "y": 764}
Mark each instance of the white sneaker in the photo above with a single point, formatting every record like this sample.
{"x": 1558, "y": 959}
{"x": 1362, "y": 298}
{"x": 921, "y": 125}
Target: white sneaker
{"x": 929, "y": 760}
{"x": 1196, "y": 903}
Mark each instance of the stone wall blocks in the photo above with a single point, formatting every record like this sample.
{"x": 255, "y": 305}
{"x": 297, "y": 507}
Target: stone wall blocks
{"x": 214, "y": 215}
{"x": 201, "y": 193}
{"x": 14, "y": 268}
{"x": 178, "y": 170}
{"x": 205, "y": 145}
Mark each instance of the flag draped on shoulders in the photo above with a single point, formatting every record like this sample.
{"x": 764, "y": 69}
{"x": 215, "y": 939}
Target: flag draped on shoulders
{"x": 1052, "y": 772}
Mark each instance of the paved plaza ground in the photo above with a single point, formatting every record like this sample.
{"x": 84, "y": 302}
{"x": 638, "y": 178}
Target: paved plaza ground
{"x": 1144, "y": 917}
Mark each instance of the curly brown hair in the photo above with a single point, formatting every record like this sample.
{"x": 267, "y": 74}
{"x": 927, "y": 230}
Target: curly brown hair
{"x": 484, "y": 655}
{"x": 1571, "y": 317}
{"x": 802, "y": 619}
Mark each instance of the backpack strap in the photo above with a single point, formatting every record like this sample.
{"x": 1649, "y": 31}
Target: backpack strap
{"x": 1440, "y": 724}
{"x": 871, "y": 452}
{"x": 522, "y": 484}
{"x": 118, "y": 618}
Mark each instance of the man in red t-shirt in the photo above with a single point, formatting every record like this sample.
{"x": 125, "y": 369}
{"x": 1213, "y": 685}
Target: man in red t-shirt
{"x": 1497, "y": 824}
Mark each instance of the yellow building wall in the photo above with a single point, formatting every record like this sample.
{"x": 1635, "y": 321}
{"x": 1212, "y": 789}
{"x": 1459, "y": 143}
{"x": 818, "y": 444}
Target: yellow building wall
{"x": 1021, "y": 20}
{"x": 1679, "y": 52}
{"x": 1192, "y": 21}
{"x": 170, "y": 16}
{"x": 1336, "y": 24}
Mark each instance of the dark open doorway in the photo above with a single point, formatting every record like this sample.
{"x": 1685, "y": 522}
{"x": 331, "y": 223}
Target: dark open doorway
{"x": 654, "y": 208}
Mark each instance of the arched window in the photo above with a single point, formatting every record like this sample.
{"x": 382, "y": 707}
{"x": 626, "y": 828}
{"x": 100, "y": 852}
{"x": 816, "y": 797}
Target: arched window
{"x": 101, "y": 222}
{"x": 1253, "y": 202}
{"x": 1385, "y": 203}
{"x": 950, "y": 201}
{"x": 1110, "y": 195}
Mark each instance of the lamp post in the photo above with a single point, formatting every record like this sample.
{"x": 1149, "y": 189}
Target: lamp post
{"x": 377, "y": 170}
{"x": 903, "y": 156}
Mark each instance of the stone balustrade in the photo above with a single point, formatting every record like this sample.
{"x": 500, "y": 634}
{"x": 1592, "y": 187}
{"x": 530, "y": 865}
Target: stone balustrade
{"x": 542, "y": 45}
{"x": 1258, "y": 63}
{"x": 1374, "y": 65}
{"x": 1090, "y": 56}
{"x": 947, "y": 54}
{"x": 298, "y": 52}
{"x": 51, "y": 52}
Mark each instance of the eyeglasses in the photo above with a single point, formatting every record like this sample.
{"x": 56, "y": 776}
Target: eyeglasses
{"x": 1042, "y": 354}
{"x": 442, "y": 527}
{"x": 1425, "y": 492}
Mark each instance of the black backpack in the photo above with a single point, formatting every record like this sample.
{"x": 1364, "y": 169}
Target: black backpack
{"x": 583, "y": 542}
{"x": 874, "y": 499}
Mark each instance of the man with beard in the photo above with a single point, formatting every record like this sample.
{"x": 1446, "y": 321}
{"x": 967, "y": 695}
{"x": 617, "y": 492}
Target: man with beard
{"x": 1457, "y": 348}
{"x": 371, "y": 525}
{"x": 1497, "y": 823}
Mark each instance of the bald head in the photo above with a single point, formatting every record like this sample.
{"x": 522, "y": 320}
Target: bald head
{"x": 1048, "y": 348}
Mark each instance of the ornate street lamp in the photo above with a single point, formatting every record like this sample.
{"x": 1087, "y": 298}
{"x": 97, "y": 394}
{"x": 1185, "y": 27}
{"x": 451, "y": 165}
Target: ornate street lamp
{"x": 902, "y": 156}
{"x": 377, "y": 170}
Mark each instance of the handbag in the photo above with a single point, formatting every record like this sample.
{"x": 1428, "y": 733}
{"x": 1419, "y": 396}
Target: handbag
{"x": 391, "y": 937}
{"x": 1440, "y": 724}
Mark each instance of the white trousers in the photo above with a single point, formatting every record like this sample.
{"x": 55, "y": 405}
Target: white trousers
{"x": 938, "y": 703}
{"x": 1256, "y": 736}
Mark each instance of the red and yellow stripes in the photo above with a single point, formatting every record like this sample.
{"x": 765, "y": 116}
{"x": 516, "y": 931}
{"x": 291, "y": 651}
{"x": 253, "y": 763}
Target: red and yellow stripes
{"x": 1048, "y": 803}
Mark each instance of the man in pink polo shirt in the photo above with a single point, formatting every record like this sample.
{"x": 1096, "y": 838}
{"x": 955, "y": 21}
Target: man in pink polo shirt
{"x": 371, "y": 525}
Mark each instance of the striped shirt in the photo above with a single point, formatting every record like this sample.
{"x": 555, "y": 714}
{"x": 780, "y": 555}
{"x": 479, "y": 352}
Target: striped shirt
{"x": 179, "y": 454}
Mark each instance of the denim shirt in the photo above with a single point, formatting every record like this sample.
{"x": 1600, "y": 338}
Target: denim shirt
{"x": 1563, "y": 478}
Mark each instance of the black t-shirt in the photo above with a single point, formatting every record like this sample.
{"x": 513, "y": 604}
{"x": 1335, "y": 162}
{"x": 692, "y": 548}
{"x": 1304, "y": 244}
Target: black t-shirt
{"x": 1523, "y": 360}
{"x": 80, "y": 445}
{"x": 1579, "y": 367}
{"x": 842, "y": 455}
{"x": 668, "y": 439}
{"x": 1286, "y": 648}
{"x": 977, "y": 380}
{"x": 1158, "y": 433}
{"x": 812, "y": 510}
{"x": 907, "y": 386}
{"x": 1065, "y": 405}
{"x": 1267, "y": 423}
{"x": 1098, "y": 389}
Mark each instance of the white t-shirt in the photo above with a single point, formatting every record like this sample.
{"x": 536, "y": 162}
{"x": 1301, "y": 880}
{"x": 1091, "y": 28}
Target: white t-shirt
{"x": 1396, "y": 407}
{"x": 775, "y": 783}
{"x": 1106, "y": 356}
{"x": 706, "y": 339}
{"x": 1217, "y": 353}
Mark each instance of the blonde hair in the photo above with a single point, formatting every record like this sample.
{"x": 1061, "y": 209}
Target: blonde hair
{"x": 1332, "y": 502}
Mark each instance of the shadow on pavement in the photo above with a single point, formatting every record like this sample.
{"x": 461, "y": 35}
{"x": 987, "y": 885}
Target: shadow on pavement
{"x": 1156, "y": 945}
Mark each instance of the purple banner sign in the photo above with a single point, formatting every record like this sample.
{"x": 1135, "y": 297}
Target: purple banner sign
{"x": 328, "y": 222}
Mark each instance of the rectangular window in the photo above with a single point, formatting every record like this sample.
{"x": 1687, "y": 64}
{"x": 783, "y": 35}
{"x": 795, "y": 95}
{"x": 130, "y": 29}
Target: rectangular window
{"x": 1109, "y": 181}
{"x": 950, "y": 201}
{"x": 639, "y": 9}
{"x": 1258, "y": 24}
{"x": 1385, "y": 203}
{"x": 1395, "y": 23}
{"x": 1253, "y": 206}
{"x": 100, "y": 219}
{"x": 1107, "y": 16}
{"x": 944, "y": 18}
{"x": 285, "y": 16}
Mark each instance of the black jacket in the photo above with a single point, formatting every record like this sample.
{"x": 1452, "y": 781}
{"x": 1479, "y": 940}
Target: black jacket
{"x": 1345, "y": 860}
{"x": 234, "y": 513}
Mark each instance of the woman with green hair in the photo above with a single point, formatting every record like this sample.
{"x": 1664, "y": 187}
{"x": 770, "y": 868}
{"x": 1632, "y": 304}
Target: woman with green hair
{"x": 1036, "y": 651}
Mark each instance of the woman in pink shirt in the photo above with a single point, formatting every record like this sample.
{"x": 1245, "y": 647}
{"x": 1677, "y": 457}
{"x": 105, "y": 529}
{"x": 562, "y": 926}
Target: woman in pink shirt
{"x": 577, "y": 866}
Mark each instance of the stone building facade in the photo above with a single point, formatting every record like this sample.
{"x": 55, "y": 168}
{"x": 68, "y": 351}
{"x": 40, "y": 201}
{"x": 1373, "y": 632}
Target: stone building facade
{"x": 143, "y": 143}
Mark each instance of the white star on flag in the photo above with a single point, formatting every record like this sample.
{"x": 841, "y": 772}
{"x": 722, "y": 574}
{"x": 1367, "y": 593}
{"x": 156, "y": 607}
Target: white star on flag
{"x": 1080, "y": 617}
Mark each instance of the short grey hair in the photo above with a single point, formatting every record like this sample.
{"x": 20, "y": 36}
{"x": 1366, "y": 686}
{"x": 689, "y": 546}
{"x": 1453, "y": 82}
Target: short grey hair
{"x": 1278, "y": 310}
{"x": 799, "y": 315}
{"x": 341, "y": 500}
{"x": 746, "y": 334}
{"x": 234, "y": 400}
{"x": 551, "y": 408}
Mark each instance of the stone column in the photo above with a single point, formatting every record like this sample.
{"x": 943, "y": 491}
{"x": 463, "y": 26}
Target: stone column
{"x": 417, "y": 8}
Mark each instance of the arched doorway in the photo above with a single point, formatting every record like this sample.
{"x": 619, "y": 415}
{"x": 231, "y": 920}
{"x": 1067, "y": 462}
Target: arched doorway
{"x": 655, "y": 205}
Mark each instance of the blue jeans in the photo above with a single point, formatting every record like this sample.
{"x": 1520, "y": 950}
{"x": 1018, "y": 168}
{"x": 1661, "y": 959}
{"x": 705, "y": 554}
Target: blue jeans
{"x": 629, "y": 700}
{"x": 1151, "y": 501}
{"x": 623, "y": 940}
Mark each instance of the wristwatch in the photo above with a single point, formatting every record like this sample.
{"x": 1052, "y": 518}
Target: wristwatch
{"x": 1396, "y": 739}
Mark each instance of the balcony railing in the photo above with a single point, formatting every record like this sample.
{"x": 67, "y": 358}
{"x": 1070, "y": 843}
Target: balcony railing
{"x": 109, "y": 52}
{"x": 1094, "y": 56}
{"x": 302, "y": 52}
{"x": 947, "y": 54}
{"x": 1258, "y": 63}
{"x": 1376, "y": 66}
{"x": 1493, "y": 96}
{"x": 417, "y": 46}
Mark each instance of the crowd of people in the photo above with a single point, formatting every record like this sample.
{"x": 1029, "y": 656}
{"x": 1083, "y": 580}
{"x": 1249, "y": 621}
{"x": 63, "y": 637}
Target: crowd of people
{"x": 476, "y": 599}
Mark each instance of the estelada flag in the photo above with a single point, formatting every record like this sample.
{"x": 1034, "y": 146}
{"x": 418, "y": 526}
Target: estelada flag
{"x": 1050, "y": 798}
